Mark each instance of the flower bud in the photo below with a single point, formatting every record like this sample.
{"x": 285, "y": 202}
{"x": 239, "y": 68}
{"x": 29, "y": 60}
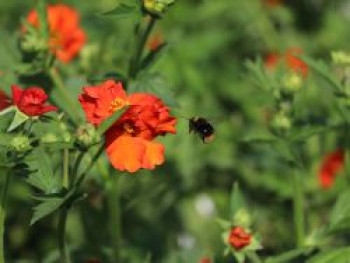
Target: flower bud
{"x": 239, "y": 238}
{"x": 281, "y": 123}
{"x": 292, "y": 83}
{"x": 157, "y": 7}
{"x": 31, "y": 41}
{"x": 242, "y": 217}
{"x": 86, "y": 136}
{"x": 20, "y": 144}
{"x": 340, "y": 58}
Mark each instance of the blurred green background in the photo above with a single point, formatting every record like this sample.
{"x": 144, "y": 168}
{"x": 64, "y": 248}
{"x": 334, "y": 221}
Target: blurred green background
{"x": 169, "y": 214}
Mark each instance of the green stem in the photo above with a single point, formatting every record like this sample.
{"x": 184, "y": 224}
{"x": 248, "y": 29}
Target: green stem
{"x": 135, "y": 62}
{"x": 3, "y": 213}
{"x": 299, "y": 222}
{"x": 76, "y": 167}
{"x": 56, "y": 79}
{"x": 62, "y": 222}
{"x": 66, "y": 168}
{"x": 115, "y": 217}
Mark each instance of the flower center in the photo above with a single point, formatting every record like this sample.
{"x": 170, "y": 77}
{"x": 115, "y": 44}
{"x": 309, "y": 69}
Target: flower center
{"x": 116, "y": 104}
{"x": 128, "y": 128}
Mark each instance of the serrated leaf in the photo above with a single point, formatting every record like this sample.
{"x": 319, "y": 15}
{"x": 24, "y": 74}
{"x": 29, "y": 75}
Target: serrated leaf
{"x": 339, "y": 255}
{"x": 123, "y": 10}
{"x": 323, "y": 70}
{"x": 45, "y": 208}
{"x": 8, "y": 110}
{"x": 42, "y": 14}
{"x": 18, "y": 119}
{"x": 44, "y": 178}
{"x": 340, "y": 215}
{"x": 106, "y": 124}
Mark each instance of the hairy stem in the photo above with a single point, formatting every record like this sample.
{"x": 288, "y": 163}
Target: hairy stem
{"x": 298, "y": 203}
{"x": 4, "y": 194}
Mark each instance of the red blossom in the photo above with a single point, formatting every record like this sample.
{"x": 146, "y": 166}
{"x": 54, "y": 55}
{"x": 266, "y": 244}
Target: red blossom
{"x": 66, "y": 36}
{"x": 155, "y": 42}
{"x": 205, "y": 260}
{"x": 5, "y": 101}
{"x": 332, "y": 163}
{"x": 31, "y": 101}
{"x": 273, "y": 3}
{"x": 129, "y": 141}
{"x": 239, "y": 238}
{"x": 290, "y": 59}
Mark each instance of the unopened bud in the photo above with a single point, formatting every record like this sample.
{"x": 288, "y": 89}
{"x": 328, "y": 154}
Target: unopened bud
{"x": 340, "y": 58}
{"x": 20, "y": 144}
{"x": 292, "y": 83}
{"x": 242, "y": 217}
{"x": 157, "y": 7}
{"x": 87, "y": 136}
{"x": 281, "y": 123}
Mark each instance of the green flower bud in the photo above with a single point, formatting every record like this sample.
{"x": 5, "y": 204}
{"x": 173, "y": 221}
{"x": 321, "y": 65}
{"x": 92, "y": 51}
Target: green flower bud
{"x": 49, "y": 138}
{"x": 31, "y": 41}
{"x": 20, "y": 144}
{"x": 242, "y": 218}
{"x": 157, "y": 7}
{"x": 281, "y": 123}
{"x": 292, "y": 83}
{"x": 86, "y": 136}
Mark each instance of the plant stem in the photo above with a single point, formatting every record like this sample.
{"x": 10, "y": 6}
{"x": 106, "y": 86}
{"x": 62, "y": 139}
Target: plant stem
{"x": 115, "y": 217}
{"x": 3, "y": 213}
{"x": 299, "y": 222}
{"x": 76, "y": 168}
{"x": 62, "y": 221}
{"x": 135, "y": 62}
{"x": 65, "y": 168}
{"x": 56, "y": 79}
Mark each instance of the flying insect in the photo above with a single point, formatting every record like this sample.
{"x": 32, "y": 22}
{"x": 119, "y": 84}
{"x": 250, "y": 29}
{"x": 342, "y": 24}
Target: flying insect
{"x": 202, "y": 127}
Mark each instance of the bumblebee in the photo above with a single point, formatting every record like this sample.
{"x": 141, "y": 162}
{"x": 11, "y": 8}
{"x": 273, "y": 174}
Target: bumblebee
{"x": 202, "y": 127}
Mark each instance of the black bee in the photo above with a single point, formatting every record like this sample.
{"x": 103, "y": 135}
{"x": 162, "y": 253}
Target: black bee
{"x": 202, "y": 127}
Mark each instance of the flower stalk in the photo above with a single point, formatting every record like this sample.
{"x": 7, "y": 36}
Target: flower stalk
{"x": 298, "y": 210}
{"x": 3, "y": 200}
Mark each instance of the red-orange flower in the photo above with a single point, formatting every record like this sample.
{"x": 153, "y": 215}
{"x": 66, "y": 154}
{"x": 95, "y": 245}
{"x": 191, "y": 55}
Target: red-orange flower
{"x": 290, "y": 59}
{"x": 31, "y": 101}
{"x": 273, "y": 3}
{"x": 332, "y": 163}
{"x": 129, "y": 143}
{"x": 4, "y": 100}
{"x": 155, "y": 42}
{"x": 66, "y": 37}
{"x": 205, "y": 260}
{"x": 239, "y": 238}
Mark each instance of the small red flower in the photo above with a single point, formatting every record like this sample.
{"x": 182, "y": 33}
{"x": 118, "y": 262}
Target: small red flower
{"x": 239, "y": 238}
{"x": 31, "y": 101}
{"x": 273, "y": 3}
{"x": 205, "y": 260}
{"x": 66, "y": 37}
{"x": 129, "y": 142}
{"x": 290, "y": 59}
{"x": 4, "y": 100}
{"x": 332, "y": 163}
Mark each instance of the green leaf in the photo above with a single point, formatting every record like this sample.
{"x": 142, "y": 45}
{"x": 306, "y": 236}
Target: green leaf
{"x": 44, "y": 179}
{"x": 259, "y": 137}
{"x": 224, "y": 224}
{"x": 340, "y": 215}
{"x": 42, "y": 13}
{"x": 237, "y": 201}
{"x": 18, "y": 120}
{"x": 305, "y": 132}
{"x": 260, "y": 78}
{"x": 339, "y": 255}
{"x": 324, "y": 71}
{"x": 288, "y": 256}
{"x": 123, "y": 10}
{"x": 45, "y": 208}
{"x": 110, "y": 121}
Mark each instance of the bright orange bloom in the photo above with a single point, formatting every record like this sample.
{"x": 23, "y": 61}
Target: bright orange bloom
{"x": 130, "y": 143}
{"x": 332, "y": 163}
{"x": 290, "y": 59}
{"x": 239, "y": 238}
{"x": 66, "y": 37}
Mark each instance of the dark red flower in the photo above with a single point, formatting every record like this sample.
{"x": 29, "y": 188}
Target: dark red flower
{"x": 239, "y": 238}
{"x": 31, "y": 101}
{"x": 4, "y": 100}
{"x": 130, "y": 141}
{"x": 332, "y": 163}
{"x": 66, "y": 36}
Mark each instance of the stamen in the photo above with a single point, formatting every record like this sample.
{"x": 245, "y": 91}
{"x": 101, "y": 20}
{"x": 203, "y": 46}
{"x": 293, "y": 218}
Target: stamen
{"x": 116, "y": 104}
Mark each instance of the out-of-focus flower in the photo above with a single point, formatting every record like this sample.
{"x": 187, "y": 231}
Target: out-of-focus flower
{"x": 239, "y": 238}
{"x": 340, "y": 58}
{"x": 31, "y": 101}
{"x": 273, "y": 3}
{"x": 4, "y": 100}
{"x": 205, "y": 206}
{"x": 129, "y": 141}
{"x": 66, "y": 38}
{"x": 205, "y": 260}
{"x": 186, "y": 241}
{"x": 155, "y": 41}
{"x": 290, "y": 59}
{"x": 332, "y": 163}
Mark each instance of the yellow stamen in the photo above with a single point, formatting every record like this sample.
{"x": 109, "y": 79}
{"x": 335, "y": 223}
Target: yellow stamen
{"x": 116, "y": 104}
